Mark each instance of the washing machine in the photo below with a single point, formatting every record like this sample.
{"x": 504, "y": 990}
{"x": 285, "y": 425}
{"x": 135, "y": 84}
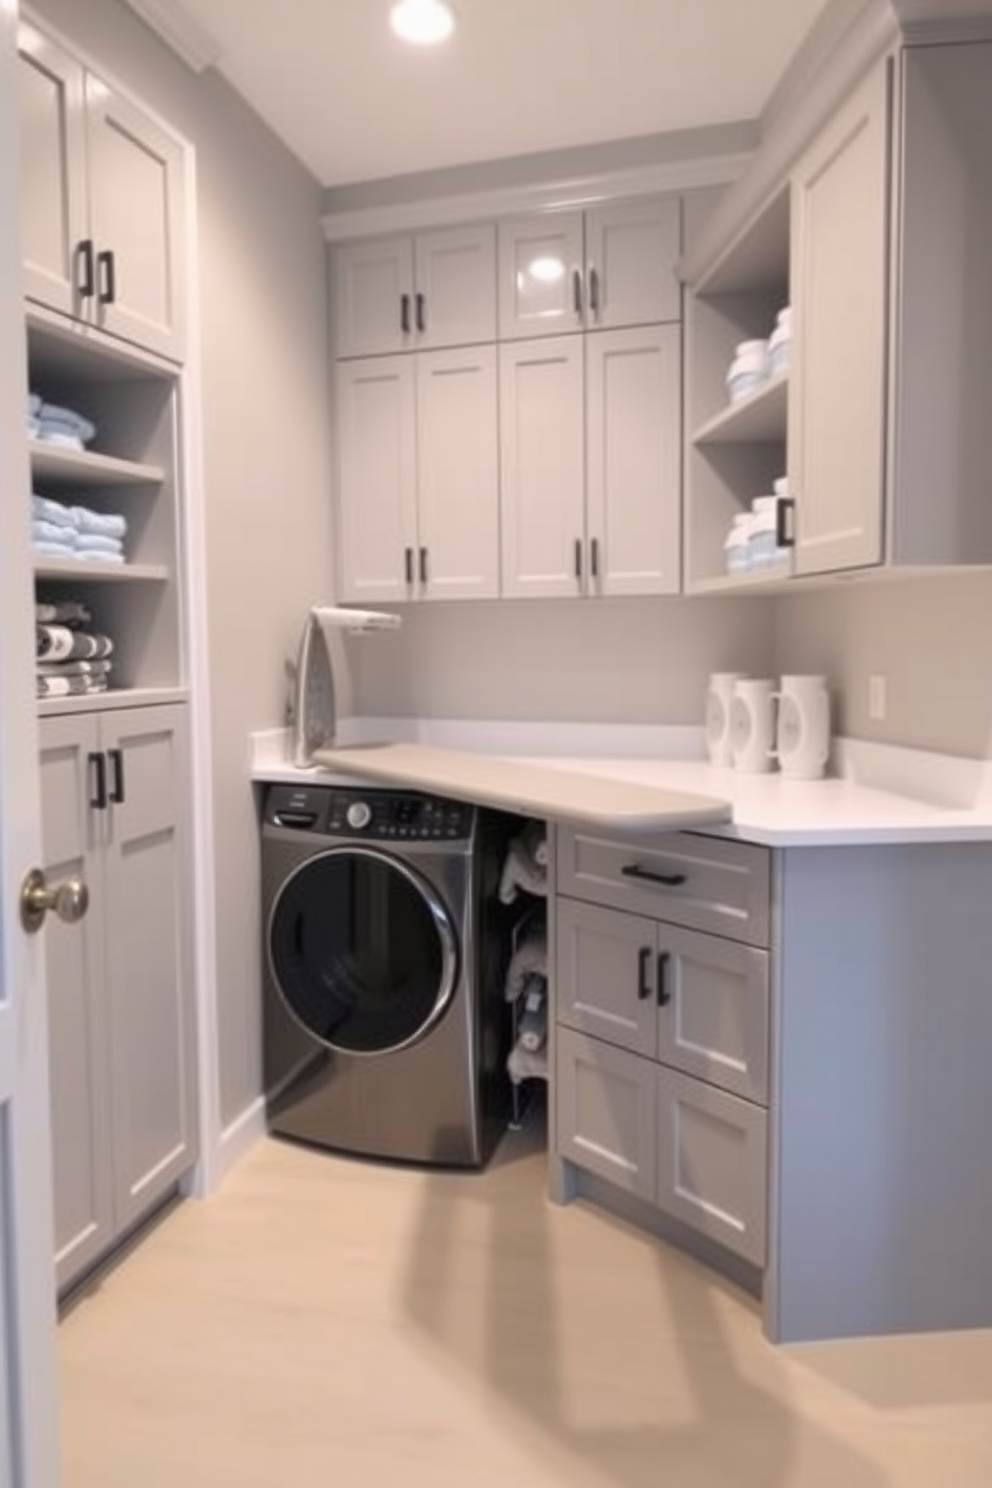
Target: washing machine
{"x": 385, "y": 1028}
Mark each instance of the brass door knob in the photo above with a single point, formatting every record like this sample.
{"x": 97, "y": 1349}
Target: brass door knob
{"x": 69, "y": 900}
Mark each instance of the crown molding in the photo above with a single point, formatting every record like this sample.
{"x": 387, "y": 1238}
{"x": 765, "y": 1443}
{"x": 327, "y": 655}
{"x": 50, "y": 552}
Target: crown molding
{"x": 177, "y": 28}
{"x": 449, "y": 210}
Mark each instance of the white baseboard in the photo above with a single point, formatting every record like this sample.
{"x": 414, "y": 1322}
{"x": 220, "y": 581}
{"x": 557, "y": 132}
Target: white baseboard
{"x": 240, "y": 1137}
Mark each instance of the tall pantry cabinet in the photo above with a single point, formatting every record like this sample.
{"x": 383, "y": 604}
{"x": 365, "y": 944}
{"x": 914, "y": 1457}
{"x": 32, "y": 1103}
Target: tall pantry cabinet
{"x": 103, "y": 193}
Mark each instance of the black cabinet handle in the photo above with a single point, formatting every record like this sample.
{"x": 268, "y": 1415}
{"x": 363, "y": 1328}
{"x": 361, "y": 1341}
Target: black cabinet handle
{"x": 423, "y": 565}
{"x": 85, "y": 280}
{"x": 577, "y": 292}
{"x": 405, "y": 314}
{"x": 408, "y": 564}
{"x": 107, "y": 273}
{"x": 784, "y": 538}
{"x": 578, "y": 558}
{"x": 594, "y": 290}
{"x": 643, "y": 985}
{"x": 667, "y": 880}
{"x": 594, "y": 557}
{"x": 98, "y": 761}
{"x": 421, "y": 313}
{"x": 117, "y": 766}
{"x": 664, "y": 996}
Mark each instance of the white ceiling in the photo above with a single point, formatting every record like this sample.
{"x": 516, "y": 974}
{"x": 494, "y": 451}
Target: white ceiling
{"x": 519, "y": 75}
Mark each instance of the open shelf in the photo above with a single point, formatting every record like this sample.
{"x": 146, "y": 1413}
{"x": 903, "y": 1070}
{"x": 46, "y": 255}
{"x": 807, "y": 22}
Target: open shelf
{"x": 749, "y": 579}
{"x": 61, "y": 466}
{"x": 86, "y": 570}
{"x": 121, "y": 697}
{"x": 757, "y": 419}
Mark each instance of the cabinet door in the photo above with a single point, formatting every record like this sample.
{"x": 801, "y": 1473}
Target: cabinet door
{"x": 713, "y": 1021}
{"x": 632, "y": 248}
{"x": 138, "y": 223}
{"x": 605, "y": 1108}
{"x": 373, "y": 297}
{"x": 82, "y": 1150}
{"x": 633, "y": 474}
{"x": 712, "y": 1162}
{"x": 542, "y": 464}
{"x": 541, "y": 288}
{"x": 455, "y": 275}
{"x": 52, "y": 168}
{"x": 458, "y": 474}
{"x": 839, "y": 297}
{"x": 377, "y": 489}
{"x": 148, "y": 957}
{"x": 605, "y": 981}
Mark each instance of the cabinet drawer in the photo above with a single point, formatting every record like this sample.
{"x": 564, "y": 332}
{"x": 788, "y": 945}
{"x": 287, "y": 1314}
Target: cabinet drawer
{"x": 605, "y": 1106}
{"x": 713, "y": 1010}
{"x": 712, "y": 1162}
{"x": 706, "y": 883}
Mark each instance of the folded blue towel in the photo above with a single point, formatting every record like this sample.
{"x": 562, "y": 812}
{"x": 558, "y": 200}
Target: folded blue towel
{"x": 67, "y": 420}
{"x": 51, "y": 532}
{"x": 44, "y": 509}
{"x": 99, "y": 557}
{"x": 87, "y": 542}
{"x": 101, "y": 524}
{"x": 57, "y": 550}
{"x": 59, "y": 438}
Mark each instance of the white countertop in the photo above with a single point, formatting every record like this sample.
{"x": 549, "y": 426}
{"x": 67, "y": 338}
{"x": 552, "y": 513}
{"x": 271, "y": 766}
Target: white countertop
{"x": 882, "y": 794}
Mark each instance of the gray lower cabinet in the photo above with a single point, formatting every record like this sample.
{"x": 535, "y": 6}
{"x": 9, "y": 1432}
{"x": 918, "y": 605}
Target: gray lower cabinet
{"x": 122, "y": 1047}
{"x": 606, "y": 1112}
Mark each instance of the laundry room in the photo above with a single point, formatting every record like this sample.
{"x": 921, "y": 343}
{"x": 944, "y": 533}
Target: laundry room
{"x": 505, "y": 767}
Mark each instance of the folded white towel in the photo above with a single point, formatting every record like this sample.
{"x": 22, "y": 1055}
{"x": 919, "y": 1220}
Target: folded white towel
{"x": 74, "y": 668}
{"x": 91, "y": 557}
{"x": 47, "y": 510}
{"x": 59, "y": 643}
{"x": 67, "y": 420}
{"x": 61, "y": 438}
{"x": 521, "y": 1065}
{"x": 54, "y": 549}
{"x": 92, "y": 542}
{"x": 529, "y": 959}
{"x": 62, "y": 612}
{"x": 50, "y": 532}
{"x": 526, "y": 865}
{"x": 100, "y": 524}
{"x": 69, "y": 686}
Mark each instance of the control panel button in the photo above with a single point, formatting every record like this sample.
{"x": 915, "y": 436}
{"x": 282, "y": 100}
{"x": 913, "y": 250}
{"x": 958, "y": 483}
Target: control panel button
{"x": 359, "y": 814}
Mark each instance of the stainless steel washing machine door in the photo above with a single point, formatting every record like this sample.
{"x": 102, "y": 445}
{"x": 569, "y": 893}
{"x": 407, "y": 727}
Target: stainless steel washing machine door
{"x": 362, "y": 950}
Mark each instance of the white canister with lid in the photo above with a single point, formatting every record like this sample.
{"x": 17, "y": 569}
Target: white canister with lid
{"x": 762, "y": 547}
{"x": 719, "y": 698}
{"x": 802, "y": 734}
{"x": 752, "y": 725}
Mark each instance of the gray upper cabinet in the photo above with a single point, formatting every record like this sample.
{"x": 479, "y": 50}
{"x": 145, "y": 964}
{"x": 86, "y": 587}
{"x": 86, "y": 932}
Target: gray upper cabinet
{"x": 122, "y": 1045}
{"x": 571, "y": 271}
{"x": 403, "y": 293}
{"x": 839, "y": 296}
{"x": 103, "y": 200}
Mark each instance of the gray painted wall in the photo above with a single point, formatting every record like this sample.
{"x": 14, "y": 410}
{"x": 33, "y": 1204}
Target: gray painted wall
{"x": 930, "y": 637}
{"x": 265, "y": 400}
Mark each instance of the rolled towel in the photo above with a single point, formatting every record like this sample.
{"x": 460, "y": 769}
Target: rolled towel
{"x": 91, "y": 557}
{"x": 69, "y": 686}
{"x": 99, "y": 524}
{"x": 524, "y": 868}
{"x": 51, "y": 532}
{"x": 530, "y": 958}
{"x": 59, "y": 643}
{"x": 62, "y": 612}
{"x": 74, "y": 668}
{"x": 520, "y": 1065}
{"x": 91, "y": 542}
{"x": 44, "y": 509}
{"x": 532, "y": 1029}
{"x": 536, "y": 843}
{"x": 66, "y": 420}
{"x": 61, "y": 438}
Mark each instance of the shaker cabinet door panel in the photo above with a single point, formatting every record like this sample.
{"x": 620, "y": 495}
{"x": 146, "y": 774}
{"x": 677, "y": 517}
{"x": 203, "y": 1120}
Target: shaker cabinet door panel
{"x": 52, "y": 168}
{"x": 377, "y": 450}
{"x": 455, "y": 286}
{"x": 542, "y": 467}
{"x": 458, "y": 474}
{"x": 632, "y": 248}
{"x": 837, "y": 390}
{"x": 634, "y": 461}
{"x": 138, "y": 223}
{"x": 373, "y": 297}
{"x": 605, "y": 1106}
{"x": 541, "y": 289}
{"x": 605, "y": 981}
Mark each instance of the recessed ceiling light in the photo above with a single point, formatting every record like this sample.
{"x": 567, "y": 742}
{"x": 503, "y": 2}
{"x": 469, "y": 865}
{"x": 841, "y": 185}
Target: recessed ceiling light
{"x": 422, "y": 22}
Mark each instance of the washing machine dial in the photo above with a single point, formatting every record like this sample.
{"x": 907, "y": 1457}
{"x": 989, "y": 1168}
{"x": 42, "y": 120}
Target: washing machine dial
{"x": 358, "y": 815}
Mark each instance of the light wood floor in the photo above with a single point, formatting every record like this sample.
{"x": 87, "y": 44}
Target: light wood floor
{"x": 328, "y": 1322}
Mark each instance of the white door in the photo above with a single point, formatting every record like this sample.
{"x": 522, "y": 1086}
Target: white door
{"x": 377, "y": 484}
{"x": 455, "y": 299}
{"x": 458, "y": 474}
{"x": 373, "y": 297}
{"x": 137, "y": 217}
{"x": 29, "y": 1447}
{"x": 541, "y": 285}
{"x": 542, "y": 467}
{"x": 634, "y": 459}
{"x": 632, "y": 248}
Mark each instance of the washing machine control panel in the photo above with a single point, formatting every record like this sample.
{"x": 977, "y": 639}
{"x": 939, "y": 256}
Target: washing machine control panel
{"x": 388, "y": 816}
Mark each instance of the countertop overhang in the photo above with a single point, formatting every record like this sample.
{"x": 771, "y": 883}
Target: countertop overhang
{"x": 532, "y": 789}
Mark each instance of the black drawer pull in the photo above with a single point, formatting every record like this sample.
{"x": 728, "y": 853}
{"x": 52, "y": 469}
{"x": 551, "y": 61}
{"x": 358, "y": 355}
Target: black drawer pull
{"x": 667, "y": 880}
{"x": 98, "y": 760}
{"x": 117, "y": 766}
{"x": 643, "y": 985}
{"x": 664, "y": 996}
